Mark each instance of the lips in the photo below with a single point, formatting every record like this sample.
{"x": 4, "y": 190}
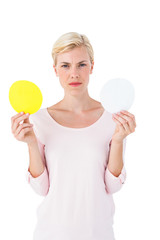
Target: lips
{"x": 75, "y": 83}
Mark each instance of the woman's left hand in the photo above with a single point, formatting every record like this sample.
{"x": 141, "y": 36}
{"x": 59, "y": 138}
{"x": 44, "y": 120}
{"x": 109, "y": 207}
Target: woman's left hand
{"x": 125, "y": 125}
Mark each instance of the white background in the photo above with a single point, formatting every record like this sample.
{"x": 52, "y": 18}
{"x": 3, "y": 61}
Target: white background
{"x": 125, "y": 36}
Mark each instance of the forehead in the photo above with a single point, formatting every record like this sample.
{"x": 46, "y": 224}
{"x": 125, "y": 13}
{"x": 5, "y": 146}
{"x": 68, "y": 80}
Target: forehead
{"x": 75, "y": 55}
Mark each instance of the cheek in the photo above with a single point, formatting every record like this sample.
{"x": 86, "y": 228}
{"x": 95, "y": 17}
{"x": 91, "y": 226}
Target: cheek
{"x": 63, "y": 73}
{"x": 87, "y": 72}
{"x": 64, "y": 77}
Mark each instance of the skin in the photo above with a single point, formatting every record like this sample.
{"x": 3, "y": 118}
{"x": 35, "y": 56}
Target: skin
{"x": 24, "y": 131}
{"x": 76, "y": 99}
{"x": 125, "y": 125}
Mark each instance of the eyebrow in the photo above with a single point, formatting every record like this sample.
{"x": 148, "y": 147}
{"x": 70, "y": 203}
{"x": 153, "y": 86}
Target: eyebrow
{"x": 79, "y": 62}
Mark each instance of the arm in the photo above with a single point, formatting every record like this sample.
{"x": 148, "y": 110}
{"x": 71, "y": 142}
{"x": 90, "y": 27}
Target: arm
{"x": 36, "y": 164}
{"x": 115, "y": 163}
{"x": 115, "y": 174}
{"x": 37, "y": 174}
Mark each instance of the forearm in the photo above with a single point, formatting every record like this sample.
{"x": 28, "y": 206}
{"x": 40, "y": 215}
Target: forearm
{"x": 115, "y": 163}
{"x": 36, "y": 165}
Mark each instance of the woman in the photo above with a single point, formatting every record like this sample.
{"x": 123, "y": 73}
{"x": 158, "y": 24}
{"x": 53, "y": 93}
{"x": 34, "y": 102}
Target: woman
{"x": 76, "y": 151}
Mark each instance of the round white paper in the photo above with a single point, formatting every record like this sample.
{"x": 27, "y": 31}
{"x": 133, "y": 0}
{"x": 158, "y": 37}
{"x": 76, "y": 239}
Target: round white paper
{"x": 117, "y": 95}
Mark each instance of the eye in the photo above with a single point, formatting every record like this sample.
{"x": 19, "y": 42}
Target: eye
{"x": 82, "y": 64}
{"x": 64, "y": 66}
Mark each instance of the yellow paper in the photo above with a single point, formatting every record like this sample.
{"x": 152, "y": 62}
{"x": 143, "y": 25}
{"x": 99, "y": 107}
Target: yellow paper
{"x": 25, "y": 96}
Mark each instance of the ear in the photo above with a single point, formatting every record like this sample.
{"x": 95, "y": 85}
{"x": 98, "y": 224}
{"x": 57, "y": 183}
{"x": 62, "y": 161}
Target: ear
{"x": 55, "y": 69}
{"x": 91, "y": 70}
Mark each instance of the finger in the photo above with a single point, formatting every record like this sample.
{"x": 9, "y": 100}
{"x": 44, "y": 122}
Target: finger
{"x": 130, "y": 120}
{"x": 19, "y": 117}
{"x": 23, "y": 132}
{"x": 15, "y": 116}
{"x": 123, "y": 123}
{"x": 17, "y": 120}
{"x": 21, "y": 126}
{"x": 127, "y": 113}
{"x": 120, "y": 118}
{"x": 119, "y": 123}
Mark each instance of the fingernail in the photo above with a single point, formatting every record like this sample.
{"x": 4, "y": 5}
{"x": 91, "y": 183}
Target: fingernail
{"x": 27, "y": 114}
{"x": 21, "y": 112}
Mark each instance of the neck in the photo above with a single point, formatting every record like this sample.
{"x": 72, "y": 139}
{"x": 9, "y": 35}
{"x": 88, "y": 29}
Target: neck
{"x": 76, "y": 103}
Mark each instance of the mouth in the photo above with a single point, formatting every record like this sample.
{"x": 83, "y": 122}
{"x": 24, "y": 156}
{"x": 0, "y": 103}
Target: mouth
{"x": 75, "y": 84}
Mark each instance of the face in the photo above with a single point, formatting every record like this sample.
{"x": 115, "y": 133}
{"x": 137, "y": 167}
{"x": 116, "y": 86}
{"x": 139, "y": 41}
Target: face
{"x": 74, "y": 66}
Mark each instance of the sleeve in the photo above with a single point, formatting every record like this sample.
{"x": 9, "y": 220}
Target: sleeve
{"x": 113, "y": 183}
{"x": 41, "y": 183}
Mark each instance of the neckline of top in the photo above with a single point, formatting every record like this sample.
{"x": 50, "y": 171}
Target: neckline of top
{"x": 74, "y": 129}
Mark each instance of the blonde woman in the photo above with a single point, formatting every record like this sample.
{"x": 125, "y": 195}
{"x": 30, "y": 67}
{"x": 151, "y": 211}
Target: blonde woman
{"x": 76, "y": 151}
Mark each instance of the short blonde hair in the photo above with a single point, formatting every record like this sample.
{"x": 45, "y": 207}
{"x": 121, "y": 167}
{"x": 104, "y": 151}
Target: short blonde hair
{"x": 69, "y": 41}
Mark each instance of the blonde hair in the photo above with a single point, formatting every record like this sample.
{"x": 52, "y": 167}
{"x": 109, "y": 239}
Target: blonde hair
{"x": 69, "y": 41}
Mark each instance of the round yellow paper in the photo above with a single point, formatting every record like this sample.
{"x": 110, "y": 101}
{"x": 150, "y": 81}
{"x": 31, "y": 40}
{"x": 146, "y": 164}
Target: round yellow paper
{"x": 25, "y": 96}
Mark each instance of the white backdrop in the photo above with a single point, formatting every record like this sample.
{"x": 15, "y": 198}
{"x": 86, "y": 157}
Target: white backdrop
{"x": 126, "y": 41}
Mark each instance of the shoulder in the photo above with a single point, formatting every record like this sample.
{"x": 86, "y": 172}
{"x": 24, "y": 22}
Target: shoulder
{"x": 39, "y": 122}
{"x": 38, "y": 116}
{"x": 37, "y": 113}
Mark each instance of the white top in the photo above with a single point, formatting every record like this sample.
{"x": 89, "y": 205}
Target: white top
{"x": 76, "y": 182}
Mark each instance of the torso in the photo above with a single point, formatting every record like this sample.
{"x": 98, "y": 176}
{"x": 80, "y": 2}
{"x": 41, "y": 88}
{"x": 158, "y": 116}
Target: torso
{"x": 70, "y": 119}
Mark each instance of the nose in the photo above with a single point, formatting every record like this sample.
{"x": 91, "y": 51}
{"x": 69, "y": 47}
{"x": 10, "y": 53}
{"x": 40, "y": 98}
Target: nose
{"x": 74, "y": 72}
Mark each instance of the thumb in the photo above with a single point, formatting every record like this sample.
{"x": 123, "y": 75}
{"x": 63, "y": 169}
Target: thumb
{"x": 26, "y": 120}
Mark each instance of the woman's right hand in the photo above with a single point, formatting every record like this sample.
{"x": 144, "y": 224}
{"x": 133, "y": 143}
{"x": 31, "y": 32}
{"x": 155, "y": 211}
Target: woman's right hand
{"x": 24, "y": 131}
